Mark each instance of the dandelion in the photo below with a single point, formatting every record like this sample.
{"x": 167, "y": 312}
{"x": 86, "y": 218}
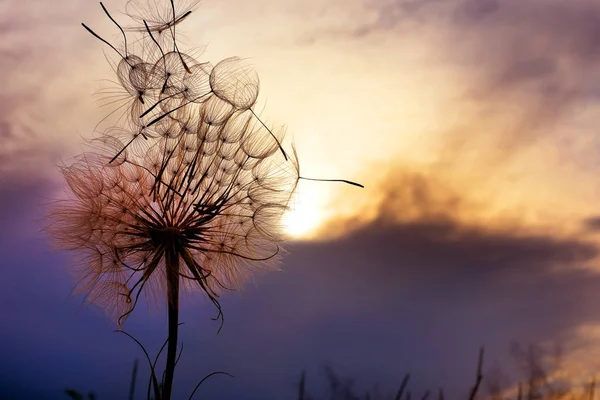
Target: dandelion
{"x": 188, "y": 194}
{"x": 214, "y": 205}
{"x": 195, "y": 211}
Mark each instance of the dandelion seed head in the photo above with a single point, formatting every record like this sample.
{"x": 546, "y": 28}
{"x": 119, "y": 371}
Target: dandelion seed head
{"x": 217, "y": 201}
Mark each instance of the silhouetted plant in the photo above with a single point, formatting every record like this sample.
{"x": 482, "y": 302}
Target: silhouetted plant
{"x": 133, "y": 379}
{"x": 75, "y": 395}
{"x": 538, "y": 369}
{"x": 535, "y": 366}
{"x": 184, "y": 191}
{"x": 343, "y": 389}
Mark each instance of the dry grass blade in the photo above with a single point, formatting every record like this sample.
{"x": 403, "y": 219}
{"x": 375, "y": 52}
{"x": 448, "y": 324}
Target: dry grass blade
{"x": 479, "y": 375}
{"x": 205, "y": 378}
{"x": 402, "y": 387}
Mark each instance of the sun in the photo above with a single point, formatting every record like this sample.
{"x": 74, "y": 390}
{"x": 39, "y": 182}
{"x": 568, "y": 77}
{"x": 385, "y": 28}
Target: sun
{"x": 304, "y": 215}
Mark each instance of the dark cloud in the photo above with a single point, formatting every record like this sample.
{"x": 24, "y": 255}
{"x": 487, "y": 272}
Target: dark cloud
{"x": 475, "y": 10}
{"x": 38, "y": 49}
{"x": 434, "y": 246}
{"x": 592, "y": 224}
{"x": 516, "y": 41}
{"x": 22, "y": 204}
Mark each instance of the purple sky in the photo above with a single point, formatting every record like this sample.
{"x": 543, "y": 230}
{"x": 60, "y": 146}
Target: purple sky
{"x": 477, "y": 225}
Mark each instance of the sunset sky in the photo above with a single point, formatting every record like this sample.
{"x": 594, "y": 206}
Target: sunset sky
{"x": 473, "y": 125}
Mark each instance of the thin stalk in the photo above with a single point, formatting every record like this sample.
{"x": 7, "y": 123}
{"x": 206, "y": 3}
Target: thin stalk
{"x": 172, "y": 266}
{"x": 133, "y": 376}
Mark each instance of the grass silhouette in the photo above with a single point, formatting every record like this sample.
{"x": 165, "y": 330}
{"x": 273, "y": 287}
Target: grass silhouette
{"x": 535, "y": 382}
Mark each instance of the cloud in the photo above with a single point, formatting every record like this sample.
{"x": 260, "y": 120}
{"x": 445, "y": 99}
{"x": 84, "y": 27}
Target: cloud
{"x": 418, "y": 211}
{"x": 530, "y": 62}
{"x": 41, "y": 58}
{"x": 496, "y": 98}
{"x": 592, "y": 223}
{"x": 398, "y": 293}
{"x": 550, "y": 45}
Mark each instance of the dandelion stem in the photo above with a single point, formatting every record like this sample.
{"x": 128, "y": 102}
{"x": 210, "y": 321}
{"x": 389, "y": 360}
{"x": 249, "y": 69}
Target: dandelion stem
{"x": 172, "y": 266}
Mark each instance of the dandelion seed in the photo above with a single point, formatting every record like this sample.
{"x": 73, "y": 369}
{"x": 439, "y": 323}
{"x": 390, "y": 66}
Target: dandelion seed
{"x": 158, "y": 13}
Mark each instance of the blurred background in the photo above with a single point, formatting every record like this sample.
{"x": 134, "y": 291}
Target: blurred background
{"x": 472, "y": 125}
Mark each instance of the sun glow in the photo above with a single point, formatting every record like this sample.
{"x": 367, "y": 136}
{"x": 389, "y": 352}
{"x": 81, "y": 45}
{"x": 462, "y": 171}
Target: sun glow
{"x": 305, "y": 214}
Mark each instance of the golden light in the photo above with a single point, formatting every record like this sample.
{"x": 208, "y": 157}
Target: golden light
{"x": 305, "y": 214}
